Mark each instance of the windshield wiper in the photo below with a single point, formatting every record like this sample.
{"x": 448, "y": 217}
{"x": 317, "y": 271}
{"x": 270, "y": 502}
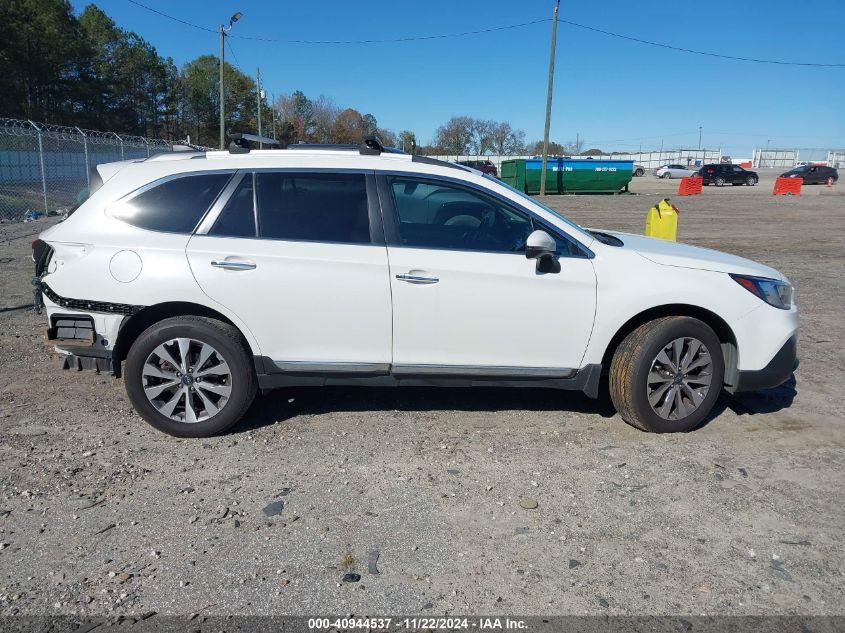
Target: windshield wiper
{"x": 606, "y": 238}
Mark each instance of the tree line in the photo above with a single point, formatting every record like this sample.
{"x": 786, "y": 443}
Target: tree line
{"x": 86, "y": 71}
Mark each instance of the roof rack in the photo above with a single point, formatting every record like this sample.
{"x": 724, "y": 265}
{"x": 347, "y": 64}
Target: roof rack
{"x": 242, "y": 142}
{"x": 370, "y": 146}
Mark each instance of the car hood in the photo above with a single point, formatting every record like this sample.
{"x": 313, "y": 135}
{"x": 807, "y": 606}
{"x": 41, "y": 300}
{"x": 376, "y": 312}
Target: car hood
{"x": 669, "y": 253}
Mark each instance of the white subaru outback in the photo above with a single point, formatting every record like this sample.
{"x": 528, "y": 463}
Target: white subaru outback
{"x": 203, "y": 277}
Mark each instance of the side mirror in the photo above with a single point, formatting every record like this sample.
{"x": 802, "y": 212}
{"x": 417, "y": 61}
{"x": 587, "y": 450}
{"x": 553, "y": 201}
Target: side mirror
{"x": 540, "y": 245}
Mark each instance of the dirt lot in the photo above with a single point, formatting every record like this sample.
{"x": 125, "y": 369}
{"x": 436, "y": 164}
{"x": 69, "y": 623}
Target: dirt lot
{"x": 100, "y": 514}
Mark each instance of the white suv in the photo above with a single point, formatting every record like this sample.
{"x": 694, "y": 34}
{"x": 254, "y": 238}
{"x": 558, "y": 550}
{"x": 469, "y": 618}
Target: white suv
{"x": 205, "y": 276}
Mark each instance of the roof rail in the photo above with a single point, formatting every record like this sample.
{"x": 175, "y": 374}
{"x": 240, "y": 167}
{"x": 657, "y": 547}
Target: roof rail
{"x": 242, "y": 142}
{"x": 370, "y": 146}
{"x": 341, "y": 147}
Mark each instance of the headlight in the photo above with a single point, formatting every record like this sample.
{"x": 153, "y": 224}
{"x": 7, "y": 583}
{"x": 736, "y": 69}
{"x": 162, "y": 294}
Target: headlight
{"x": 775, "y": 293}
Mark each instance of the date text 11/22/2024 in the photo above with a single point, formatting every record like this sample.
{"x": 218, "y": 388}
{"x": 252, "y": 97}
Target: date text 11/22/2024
{"x": 422, "y": 623}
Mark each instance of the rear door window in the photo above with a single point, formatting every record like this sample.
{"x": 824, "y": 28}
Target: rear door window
{"x": 175, "y": 205}
{"x": 318, "y": 207}
{"x": 237, "y": 219}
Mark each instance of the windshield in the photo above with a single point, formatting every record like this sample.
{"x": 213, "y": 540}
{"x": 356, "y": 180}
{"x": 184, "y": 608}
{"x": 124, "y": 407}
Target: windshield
{"x": 557, "y": 214}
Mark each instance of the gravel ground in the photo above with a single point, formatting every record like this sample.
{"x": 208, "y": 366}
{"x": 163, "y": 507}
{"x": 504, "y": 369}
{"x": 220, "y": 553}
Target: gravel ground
{"x": 102, "y": 515}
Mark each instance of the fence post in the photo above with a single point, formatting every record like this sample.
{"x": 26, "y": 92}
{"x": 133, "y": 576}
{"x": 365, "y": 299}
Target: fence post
{"x": 87, "y": 168}
{"x": 148, "y": 145}
{"x": 41, "y": 161}
{"x": 121, "y": 144}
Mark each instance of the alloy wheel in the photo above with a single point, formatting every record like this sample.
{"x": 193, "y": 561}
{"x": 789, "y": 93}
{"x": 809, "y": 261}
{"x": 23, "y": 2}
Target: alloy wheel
{"x": 187, "y": 380}
{"x": 679, "y": 378}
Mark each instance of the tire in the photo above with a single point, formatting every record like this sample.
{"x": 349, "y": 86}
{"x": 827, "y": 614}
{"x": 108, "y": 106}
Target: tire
{"x": 666, "y": 174}
{"x": 636, "y": 357}
{"x": 639, "y": 173}
{"x": 719, "y": 181}
{"x": 220, "y": 388}
{"x": 751, "y": 181}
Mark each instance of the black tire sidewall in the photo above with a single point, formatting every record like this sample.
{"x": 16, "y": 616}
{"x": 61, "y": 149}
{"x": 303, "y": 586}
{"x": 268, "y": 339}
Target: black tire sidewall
{"x": 243, "y": 380}
{"x": 664, "y": 334}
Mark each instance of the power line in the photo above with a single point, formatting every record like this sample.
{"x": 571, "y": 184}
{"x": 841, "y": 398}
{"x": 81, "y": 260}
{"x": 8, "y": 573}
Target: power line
{"x": 413, "y": 38}
{"x": 235, "y": 57}
{"x": 170, "y": 17}
{"x": 417, "y": 38}
{"x": 695, "y": 52}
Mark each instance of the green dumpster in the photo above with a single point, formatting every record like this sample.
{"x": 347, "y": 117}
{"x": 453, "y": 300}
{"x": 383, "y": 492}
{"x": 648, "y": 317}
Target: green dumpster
{"x": 568, "y": 175}
{"x": 524, "y": 174}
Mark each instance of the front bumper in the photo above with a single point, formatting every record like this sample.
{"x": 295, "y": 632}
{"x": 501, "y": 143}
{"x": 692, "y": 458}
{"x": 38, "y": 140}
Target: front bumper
{"x": 777, "y": 372}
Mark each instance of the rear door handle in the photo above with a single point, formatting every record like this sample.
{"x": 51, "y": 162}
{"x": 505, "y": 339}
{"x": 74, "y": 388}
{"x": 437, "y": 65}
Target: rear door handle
{"x": 233, "y": 265}
{"x": 417, "y": 279}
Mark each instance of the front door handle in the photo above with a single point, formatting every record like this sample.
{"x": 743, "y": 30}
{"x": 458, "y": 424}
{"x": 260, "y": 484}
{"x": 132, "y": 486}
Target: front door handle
{"x": 417, "y": 279}
{"x": 233, "y": 265}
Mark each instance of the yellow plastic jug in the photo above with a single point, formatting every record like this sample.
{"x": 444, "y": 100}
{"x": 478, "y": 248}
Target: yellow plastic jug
{"x": 662, "y": 221}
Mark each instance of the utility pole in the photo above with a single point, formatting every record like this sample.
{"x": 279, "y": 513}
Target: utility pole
{"x": 699, "y": 137}
{"x": 223, "y": 30}
{"x": 273, "y": 112}
{"x": 222, "y": 105}
{"x": 258, "y": 100}
{"x": 549, "y": 101}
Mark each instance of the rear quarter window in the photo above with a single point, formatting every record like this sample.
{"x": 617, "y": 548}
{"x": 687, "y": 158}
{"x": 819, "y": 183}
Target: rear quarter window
{"x": 175, "y": 205}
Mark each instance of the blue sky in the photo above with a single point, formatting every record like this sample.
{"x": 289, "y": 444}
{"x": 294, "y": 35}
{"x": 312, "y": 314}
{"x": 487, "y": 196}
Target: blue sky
{"x": 615, "y": 93}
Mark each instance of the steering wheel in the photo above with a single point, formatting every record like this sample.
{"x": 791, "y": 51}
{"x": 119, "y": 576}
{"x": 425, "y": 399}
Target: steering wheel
{"x": 488, "y": 219}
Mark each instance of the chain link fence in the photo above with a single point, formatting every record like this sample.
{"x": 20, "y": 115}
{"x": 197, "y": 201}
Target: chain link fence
{"x": 45, "y": 169}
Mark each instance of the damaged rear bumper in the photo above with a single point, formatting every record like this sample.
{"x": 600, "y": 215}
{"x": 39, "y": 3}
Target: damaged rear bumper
{"x": 72, "y": 361}
{"x": 75, "y": 336}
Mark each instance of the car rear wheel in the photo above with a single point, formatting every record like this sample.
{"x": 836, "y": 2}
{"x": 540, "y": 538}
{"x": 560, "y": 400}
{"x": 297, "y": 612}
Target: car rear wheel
{"x": 639, "y": 172}
{"x": 666, "y": 174}
{"x": 718, "y": 181}
{"x": 190, "y": 376}
{"x": 667, "y": 374}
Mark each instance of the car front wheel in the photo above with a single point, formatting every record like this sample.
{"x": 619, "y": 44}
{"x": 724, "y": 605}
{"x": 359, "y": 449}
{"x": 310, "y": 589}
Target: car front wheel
{"x": 667, "y": 374}
{"x": 751, "y": 181}
{"x": 190, "y": 376}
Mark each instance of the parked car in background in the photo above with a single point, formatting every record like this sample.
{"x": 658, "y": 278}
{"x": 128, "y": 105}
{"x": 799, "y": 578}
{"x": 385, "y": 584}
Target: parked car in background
{"x": 812, "y": 174}
{"x": 484, "y": 166}
{"x": 639, "y": 170}
{"x": 720, "y": 175}
{"x": 673, "y": 171}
